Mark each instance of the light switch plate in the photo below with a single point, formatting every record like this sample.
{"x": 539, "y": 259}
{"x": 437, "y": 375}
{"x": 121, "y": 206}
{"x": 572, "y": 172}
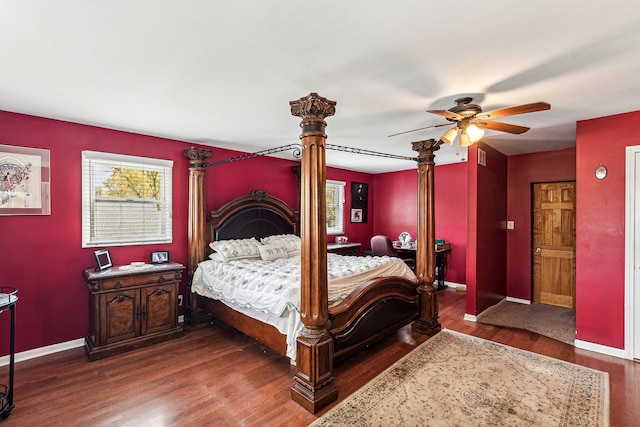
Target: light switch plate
{"x": 510, "y": 225}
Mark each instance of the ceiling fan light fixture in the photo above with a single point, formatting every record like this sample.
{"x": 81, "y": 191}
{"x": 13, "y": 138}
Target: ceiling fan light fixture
{"x": 475, "y": 133}
{"x": 465, "y": 140}
{"x": 450, "y": 136}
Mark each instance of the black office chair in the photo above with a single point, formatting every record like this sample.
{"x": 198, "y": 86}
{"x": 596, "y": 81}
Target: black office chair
{"x": 381, "y": 245}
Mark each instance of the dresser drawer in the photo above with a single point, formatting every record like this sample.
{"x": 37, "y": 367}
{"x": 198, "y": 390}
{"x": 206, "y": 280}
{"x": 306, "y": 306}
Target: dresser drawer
{"x": 142, "y": 279}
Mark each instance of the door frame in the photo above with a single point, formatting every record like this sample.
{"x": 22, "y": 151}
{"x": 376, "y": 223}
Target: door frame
{"x": 630, "y": 252}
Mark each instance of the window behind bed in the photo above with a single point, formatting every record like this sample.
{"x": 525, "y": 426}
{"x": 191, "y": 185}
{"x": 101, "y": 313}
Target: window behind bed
{"x": 126, "y": 200}
{"x": 335, "y": 207}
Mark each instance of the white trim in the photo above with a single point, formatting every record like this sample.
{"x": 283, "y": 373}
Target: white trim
{"x": 341, "y": 211}
{"x": 519, "y": 300}
{"x": 122, "y": 158}
{"x": 470, "y": 317}
{"x": 598, "y": 348}
{"x": 457, "y": 286}
{"x": 629, "y": 269}
{"x": 43, "y": 351}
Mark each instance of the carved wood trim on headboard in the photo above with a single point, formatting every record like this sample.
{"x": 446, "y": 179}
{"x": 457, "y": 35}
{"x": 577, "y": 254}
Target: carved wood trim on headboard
{"x": 251, "y": 215}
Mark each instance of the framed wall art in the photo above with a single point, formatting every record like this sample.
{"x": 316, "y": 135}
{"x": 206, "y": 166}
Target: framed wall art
{"x": 359, "y": 202}
{"x": 24, "y": 181}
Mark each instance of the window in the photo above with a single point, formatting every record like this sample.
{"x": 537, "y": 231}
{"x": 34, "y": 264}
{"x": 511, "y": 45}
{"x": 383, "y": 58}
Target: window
{"x": 335, "y": 207}
{"x": 126, "y": 200}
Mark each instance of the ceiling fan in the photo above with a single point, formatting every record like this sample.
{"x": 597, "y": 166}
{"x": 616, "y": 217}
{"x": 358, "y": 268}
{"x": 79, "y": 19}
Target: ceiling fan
{"x": 470, "y": 121}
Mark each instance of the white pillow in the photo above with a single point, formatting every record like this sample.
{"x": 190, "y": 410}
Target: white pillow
{"x": 218, "y": 257}
{"x": 290, "y": 241}
{"x": 273, "y": 252}
{"x": 237, "y": 248}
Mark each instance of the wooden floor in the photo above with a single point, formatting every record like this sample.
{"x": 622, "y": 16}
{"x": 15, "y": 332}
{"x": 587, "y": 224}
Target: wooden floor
{"x": 217, "y": 376}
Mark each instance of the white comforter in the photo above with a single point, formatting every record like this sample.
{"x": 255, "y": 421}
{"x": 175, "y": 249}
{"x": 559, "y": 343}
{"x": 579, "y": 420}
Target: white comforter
{"x": 270, "y": 290}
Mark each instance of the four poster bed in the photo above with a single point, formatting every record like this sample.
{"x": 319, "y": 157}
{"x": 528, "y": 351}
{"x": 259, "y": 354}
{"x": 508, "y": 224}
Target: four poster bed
{"x": 253, "y": 234}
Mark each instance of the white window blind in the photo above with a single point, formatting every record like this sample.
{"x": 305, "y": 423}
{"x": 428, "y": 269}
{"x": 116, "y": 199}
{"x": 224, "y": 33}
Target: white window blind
{"x": 335, "y": 207}
{"x": 126, "y": 200}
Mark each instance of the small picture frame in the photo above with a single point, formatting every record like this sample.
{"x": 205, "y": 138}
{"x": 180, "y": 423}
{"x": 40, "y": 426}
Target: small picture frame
{"x": 103, "y": 259}
{"x": 159, "y": 257}
{"x": 356, "y": 215}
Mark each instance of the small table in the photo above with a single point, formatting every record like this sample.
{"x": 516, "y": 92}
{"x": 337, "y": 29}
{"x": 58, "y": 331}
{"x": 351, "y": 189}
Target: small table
{"x": 8, "y": 299}
{"x": 344, "y": 248}
{"x": 441, "y": 261}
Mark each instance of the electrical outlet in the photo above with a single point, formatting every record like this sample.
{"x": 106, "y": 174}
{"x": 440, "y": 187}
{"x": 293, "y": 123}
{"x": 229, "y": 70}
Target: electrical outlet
{"x": 179, "y": 300}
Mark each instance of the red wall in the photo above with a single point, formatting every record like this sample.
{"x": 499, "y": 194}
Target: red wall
{"x": 523, "y": 171}
{"x": 397, "y": 204}
{"x": 487, "y": 245}
{"x": 42, "y": 255}
{"x": 600, "y": 227}
{"x": 356, "y": 232}
{"x": 451, "y": 195}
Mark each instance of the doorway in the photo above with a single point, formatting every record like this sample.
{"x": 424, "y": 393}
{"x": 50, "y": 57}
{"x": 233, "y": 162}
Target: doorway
{"x": 632, "y": 254}
{"x": 554, "y": 243}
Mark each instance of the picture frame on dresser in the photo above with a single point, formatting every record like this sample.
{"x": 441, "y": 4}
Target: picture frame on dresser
{"x": 103, "y": 259}
{"x": 159, "y": 257}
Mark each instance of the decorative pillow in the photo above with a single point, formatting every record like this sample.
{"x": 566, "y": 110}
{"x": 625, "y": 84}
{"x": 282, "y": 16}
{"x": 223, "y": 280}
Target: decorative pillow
{"x": 216, "y": 256}
{"x": 290, "y": 241}
{"x": 273, "y": 252}
{"x": 237, "y": 248}
{"x": 294, "y": 253}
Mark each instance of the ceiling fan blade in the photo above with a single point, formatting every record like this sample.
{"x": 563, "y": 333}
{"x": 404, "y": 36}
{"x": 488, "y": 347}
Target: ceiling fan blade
{"x": 415, "y": 130}
{"x": 512, "y": 111}
{"x": 446, "y": 114}
{"x": 502, "y": 127}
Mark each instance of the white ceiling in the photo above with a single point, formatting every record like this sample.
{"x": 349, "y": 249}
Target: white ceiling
{"x": 223, "y": 73}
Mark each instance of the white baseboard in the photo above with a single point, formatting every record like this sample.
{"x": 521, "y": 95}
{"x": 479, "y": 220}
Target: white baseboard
{"x": 456, "y": 286}
{"x": 50, "y": 349}
{"x": 519, "y": 300}
{"x": 470, "y": 317}
{"x": 598, "y": 348}
{"x": 43, "y": 351}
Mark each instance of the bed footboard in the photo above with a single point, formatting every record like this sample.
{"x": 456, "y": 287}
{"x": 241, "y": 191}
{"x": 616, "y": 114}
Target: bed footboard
{"x": 375, "y": 310}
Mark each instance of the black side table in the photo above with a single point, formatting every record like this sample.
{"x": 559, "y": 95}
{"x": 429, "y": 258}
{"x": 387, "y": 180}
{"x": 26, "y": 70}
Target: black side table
{"x": 8, "y": 298}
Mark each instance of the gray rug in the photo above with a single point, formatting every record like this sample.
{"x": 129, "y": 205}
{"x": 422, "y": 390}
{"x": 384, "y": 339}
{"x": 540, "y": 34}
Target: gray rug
{"x": 554, "y": 322}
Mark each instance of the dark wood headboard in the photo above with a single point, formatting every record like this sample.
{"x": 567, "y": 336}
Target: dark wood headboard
{"x": 257, "y": 214}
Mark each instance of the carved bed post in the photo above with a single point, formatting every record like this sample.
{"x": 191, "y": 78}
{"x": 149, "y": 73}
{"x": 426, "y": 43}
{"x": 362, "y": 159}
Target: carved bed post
{"x": 313, "y": 387}
{"x": 427, "y": 323}
{"x": 197, "y": 222}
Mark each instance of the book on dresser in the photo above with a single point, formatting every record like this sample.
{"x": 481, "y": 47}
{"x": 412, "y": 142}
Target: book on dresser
{"x": 132, "y": 306}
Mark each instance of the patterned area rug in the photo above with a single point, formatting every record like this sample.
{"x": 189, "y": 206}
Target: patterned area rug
{"x": 459, "y": 380}
{"x": 551, "y": 321}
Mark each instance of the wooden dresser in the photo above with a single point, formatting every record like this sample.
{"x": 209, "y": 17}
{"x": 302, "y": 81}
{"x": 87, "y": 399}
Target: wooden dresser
{"x": 131, "y": 307}
{"x": 344, "y": 248}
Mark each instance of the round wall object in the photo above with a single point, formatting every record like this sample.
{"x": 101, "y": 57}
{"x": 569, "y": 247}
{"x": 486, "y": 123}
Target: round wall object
{"x": 601, "y": 172}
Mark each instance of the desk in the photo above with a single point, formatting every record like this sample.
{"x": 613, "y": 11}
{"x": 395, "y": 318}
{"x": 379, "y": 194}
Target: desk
{"x": 441, "y": 261}
{"x": 344, "y": 248}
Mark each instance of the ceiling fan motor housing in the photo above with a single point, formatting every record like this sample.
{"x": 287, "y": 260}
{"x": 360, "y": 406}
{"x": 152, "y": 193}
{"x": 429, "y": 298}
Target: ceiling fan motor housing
{"x": 465, "y": 108}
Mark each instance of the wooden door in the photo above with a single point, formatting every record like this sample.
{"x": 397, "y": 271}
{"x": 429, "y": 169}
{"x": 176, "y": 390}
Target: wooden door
{"x": 554, "y": 243}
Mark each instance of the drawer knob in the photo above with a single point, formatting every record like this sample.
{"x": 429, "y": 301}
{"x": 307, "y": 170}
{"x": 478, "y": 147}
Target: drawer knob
{"x": 161, "y": 279}
{"x": 118, "y": 285}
